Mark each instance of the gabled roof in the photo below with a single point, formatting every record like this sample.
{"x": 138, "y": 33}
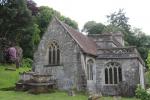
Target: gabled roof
{"x": 86, "y": 44}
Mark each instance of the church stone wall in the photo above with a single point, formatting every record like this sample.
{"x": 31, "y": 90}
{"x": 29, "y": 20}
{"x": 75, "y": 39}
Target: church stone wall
{"x": 71, "y": 73}
{"x": 91, "y": 84}
{"x": 130, "y": 74}
{"x": 66, "y": 74}
{"x": 120, "y": 39}
{"x": 103, "y": 41}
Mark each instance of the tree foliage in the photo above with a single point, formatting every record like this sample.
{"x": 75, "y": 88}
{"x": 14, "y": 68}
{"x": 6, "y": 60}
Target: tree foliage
{"x": 132, "y": 36}
{"x": 33, "y": 7}
{"x": 148, "y": 60}
{"x": 44, "y": 17}
{"x": 111, "y": 28}
{"x": 118, "y": 22}
{"x": 15, "y": 21}
{"x": 46, "y": 14}
{"x": 36, "y": 36}
{"x": 68, "y": 21}
{"x": 91, "y": 27}
{"x": 141, "y": 41}
{"x": 23, "y": 23}
{"x": 3, "y": 2}
{"x": 15, "y": 18}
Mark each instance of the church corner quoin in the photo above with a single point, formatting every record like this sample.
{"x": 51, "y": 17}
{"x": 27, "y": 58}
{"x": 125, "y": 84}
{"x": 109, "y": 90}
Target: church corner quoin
{"x": 98, "y": 63}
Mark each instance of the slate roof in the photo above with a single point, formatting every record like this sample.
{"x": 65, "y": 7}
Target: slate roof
{"x": 86, "y": 44}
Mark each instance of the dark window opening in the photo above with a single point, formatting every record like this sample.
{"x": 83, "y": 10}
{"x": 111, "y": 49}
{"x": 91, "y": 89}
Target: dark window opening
{"x": 120, "y": 74}
{"x": 113, "y": 73}
{"x": 106, "y": 76}
{"x": 54, "y": 54}
{"x": 110, "y": 76}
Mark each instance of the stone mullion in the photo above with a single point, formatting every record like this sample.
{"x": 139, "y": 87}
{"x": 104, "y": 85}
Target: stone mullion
{"x": 92, "y": 71}
{"x": 113, "y": 75}
{"x": 89, "y": 72}
{"x": 108, "y": 77}
{"x": 117, "y": 75}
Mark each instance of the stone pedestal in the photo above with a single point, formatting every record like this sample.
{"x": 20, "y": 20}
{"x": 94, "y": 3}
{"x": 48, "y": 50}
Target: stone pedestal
{"x": 35, "y": 83}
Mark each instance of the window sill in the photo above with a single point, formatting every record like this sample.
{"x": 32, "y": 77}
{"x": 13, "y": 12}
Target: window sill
{"x": 111, "y": 84}
{"x": 52, "y": 65}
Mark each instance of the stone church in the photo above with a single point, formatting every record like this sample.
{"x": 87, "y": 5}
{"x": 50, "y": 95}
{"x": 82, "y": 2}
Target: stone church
{"x": 95, "y": 62}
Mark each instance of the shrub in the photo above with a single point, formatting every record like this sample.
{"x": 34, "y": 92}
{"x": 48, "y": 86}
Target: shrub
{"x": 27, "y": 62}
{"x": 147, "y": 79}
{"x": 148, "y": 90}
{"x": 142, "y": 93}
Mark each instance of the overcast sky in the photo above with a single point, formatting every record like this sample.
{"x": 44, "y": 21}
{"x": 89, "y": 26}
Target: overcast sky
{"x": 86, "y": 10}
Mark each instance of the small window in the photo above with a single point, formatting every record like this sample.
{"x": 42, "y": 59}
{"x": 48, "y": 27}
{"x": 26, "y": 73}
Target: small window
{"x": 90, "y": 70}
{"x": 113, "y": 73}
{"x": 54, "y": 54}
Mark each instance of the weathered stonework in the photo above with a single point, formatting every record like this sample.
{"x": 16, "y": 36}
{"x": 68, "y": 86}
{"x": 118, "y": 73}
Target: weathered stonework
{"x": 130, "y": 74}
{"x": 77, "y": 50}
{"x": 67, "y": 72}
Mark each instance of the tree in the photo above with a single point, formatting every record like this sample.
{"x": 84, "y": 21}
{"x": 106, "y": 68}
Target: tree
{"x": 23, "y": 23}
{"x": 17, "y": 25}
{"x": 45, "y": 16}
{"x": 91, "y": 27}
{"x": 35, "y": 36}
{"x": 88, "y": 25}
{"x": 119, "y": 20}
{"x": 141, "y": 41}
{"x": 132, "y": 36}
{"x": 3, "y": 2}
{"x": 111, "y": 28}
{"x": 15, "y": 18}
{"x": 33, "y": 7}
{"x": 69, "y": 22}
{"x": 148, "y": 60}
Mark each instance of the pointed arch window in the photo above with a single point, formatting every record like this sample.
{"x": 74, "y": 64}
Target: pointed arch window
{"x": 113, "y": 73}
{"x": 90, "y": 69}
{"x": 54, "y": 54}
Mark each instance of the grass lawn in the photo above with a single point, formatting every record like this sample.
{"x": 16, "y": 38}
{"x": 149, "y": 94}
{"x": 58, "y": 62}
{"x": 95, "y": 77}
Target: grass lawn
{"x": 9, "y": 78}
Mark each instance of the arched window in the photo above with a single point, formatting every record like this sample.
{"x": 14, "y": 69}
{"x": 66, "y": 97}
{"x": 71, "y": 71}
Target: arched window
{"x": 54, "y": 54}
{"x": 90, "y": 70}
{"x": 113, "y": 73}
